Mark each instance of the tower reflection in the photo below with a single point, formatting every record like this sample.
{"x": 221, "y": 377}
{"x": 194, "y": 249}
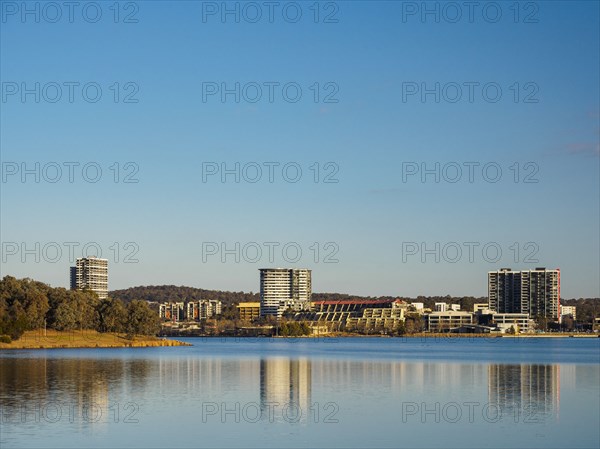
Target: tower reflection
{"x": 286, "y": 381}
{"x": 533, "y": 390}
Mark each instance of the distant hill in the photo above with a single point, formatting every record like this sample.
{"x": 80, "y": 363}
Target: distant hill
{"x": 173, "y": 293}
{"x": 163, "y": 293}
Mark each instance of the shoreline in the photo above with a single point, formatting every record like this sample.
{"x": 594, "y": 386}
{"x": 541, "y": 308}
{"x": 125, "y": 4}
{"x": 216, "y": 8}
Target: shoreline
{"x": 51, "y": 339}
{"x": 89, "y": 339}
{"x": 420, "y": 335}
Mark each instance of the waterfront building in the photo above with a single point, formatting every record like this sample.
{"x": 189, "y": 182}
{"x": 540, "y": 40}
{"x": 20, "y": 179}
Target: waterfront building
{"x": 520, "y": 322}
{"x": 248, "y": 311}
{"x": 446, "y": 321}
{"x": 284, "y": 288}
{"x": 90, "y": 273}
{"x": 536, "y": 292}
{"x": 357, "y": 314}
{"x": 569, "y": 310}
{"x": 376, "y": 319}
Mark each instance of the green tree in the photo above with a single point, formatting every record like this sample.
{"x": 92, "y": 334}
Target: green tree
{"x": 112, "y": 315}
{"x": 400, "y": 329}
{"x": 141, "y": 320}
{"x": 56, "y": 297}
{"x": 65, "y": 316}
{"x": 23, "y": 305}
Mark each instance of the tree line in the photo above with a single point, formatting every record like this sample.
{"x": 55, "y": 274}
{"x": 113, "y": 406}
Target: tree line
{"x": 173, "y": 293}
{"x": 26, "y": 304}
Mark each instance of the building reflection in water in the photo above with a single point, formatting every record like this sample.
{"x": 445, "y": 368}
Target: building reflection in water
{"x": 410, "y": 377}
{"x": 284, "y": 382}
{"x": 531, "y": 390}
{"x": 301, "y": 382}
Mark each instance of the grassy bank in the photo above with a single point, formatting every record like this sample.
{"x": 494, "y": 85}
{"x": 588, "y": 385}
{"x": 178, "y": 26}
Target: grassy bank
{"x": 40, "y": 339}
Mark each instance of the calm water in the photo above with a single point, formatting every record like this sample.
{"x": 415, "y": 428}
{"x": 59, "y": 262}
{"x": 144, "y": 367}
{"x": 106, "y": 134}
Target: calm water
{"x": 355, "y": 392}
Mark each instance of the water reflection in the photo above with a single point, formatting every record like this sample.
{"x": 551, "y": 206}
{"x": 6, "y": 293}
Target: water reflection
{"x": 286, "y": 383}
{"x": 279, "y": 380}
{"x": 354, "y": 390}
{"x": 533, "y": 390}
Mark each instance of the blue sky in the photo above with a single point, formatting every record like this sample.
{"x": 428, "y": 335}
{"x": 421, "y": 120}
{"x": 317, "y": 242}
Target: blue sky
{"x": 371, "y": 217}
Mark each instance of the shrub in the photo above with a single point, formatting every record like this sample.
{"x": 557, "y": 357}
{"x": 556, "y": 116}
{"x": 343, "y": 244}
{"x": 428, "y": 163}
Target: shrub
{"x": 5, "y": 339}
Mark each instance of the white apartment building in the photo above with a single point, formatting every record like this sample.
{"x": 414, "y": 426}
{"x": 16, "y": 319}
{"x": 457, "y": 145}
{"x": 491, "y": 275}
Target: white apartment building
{"x": 569, "y": 310}
{"x": 90, "y": 273}
{"x": 444, "y": 321}
{"x": 283, "y": 288}
{"x": 519, "y": 321}
{"x": 440, "y": 307}
{"x": 203, "y": 309}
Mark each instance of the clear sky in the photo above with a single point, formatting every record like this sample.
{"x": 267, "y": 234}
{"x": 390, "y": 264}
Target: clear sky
{"x": 397, "y": 87}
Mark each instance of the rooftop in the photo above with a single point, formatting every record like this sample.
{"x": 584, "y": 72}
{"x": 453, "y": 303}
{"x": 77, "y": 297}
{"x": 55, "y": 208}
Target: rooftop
{"x": 357, "y": 301}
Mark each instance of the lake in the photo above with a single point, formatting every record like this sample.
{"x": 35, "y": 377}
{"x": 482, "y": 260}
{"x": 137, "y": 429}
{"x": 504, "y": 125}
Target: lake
{"x": 346, "y": 392}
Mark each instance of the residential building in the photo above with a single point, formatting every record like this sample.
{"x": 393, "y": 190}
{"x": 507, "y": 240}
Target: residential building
{"x": 445, "y": 321}
{"x": 374, "y": 319}
{"x": 455, "y": 307}
{"x": 440, "y": 307}
{"x": 342, "y": 309}
{"x": 418, "y": 306}
{"x": 536, "y": 292}
{"x": 210, "y": 309}
{"x": 358, "y": 314}
{"x": 172, "y": 311}
{"x": 284, "y": 288}
{"x": 248, "y": 311}
{"x": 90, "y": 273}
{"x": 480, "y": 306}
{"x": 569, "y": 310}
{"x": 203, "y": 309}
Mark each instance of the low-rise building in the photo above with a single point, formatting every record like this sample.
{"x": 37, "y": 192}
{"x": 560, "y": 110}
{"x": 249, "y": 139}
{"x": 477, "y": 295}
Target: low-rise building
{"x": 520, "y": 322}
{"x": 569, "y": 310}
{"x": 480, "y": 306}
{"x": 248, "y": 311}
{"x": 455, "y": 307}
{"x": 440, "y": 307}
{"x": 376, "y": 319}
{"x": 190, "y": 311}
{"x": 447, "y": 320}
{"x": 209, "y": 309}
{"x": 360, "y": 314}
